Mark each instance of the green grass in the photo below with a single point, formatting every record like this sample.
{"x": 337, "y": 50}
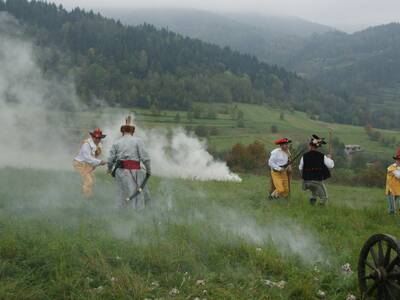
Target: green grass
{"x": 55, "y": 245}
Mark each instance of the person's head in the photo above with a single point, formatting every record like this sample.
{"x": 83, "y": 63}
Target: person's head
{"x": 316, "y": 142}
{"x": 97, "y": 135}
{"x": 396, "y": 157}
{"x": 284, "y": 146}
{"x": 128, "y": 127}
{"x": 283, "y": 143}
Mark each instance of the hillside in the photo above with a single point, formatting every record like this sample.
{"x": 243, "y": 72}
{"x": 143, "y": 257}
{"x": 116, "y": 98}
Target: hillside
{"x": 268, "y": 37}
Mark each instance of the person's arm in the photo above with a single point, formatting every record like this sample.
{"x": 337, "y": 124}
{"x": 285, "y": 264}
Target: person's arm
{"x": 301, "y": 164}
{"x": 329, "y": 163}
{"x": 144, "y": 157}
{"x": 112, "y": 158}
{"x": 272, "y": 162}
{"x": 88, "y": 157}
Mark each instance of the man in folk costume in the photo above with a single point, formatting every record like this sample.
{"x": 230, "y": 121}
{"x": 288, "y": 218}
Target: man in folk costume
{"x": 393, "y": 184}
{"x": 314, "y": 167}
{"x": 88, "y": 160}
{"x": 126, "y": 156}
{"x": 279, "y": 162}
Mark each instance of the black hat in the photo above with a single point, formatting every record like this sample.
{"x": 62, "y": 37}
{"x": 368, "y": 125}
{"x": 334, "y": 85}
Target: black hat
{"x": 316, "y": 141}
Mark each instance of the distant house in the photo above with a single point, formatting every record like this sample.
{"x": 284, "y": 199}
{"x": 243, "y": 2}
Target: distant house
{"x": 352, "y": 149}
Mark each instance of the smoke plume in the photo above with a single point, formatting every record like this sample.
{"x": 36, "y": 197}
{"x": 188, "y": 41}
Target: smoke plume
{"x": 36, "y": 134}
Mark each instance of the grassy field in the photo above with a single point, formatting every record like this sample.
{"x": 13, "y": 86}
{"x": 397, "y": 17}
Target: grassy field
{"x": 210, "y": 240}
{"x": 258, "y": 121}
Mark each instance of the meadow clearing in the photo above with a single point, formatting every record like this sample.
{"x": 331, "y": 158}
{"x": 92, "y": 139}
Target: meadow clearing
{"x": 213, "y": 240}
{"x": 197, "y": 240}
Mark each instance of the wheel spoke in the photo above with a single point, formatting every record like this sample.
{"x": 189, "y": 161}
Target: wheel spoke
{"x": 369, "y": 265}
{"x": 394, "y": 285}
{"x": 381, "y": 292}
{"x": 373, "y": 254}
{"x": 392, "y": 264}
{"x": 372, "y": 289}
{"x": 387, "y": 256}
{"x": 369, "y": 276}
{"x": 389, "y": 292}
{"x": 380, "y": 253}
{"x": 394, "y": 275}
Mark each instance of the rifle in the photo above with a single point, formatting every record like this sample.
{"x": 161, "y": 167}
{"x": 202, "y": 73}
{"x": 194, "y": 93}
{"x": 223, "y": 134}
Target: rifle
{"x": 330, "y": 149}
{"x": 292, "y": 160}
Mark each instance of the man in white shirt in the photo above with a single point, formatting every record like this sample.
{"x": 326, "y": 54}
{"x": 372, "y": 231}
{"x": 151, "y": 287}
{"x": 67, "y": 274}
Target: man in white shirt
{"x": 280, "y": 169}
{"x": 87, "y": 160}
{"x": 314, "y": 167}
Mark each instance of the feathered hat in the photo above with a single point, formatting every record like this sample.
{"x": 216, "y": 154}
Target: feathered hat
{"x": 97, "y": 133}
{"x": 128, "y": 126}
{"x": 316, "y": 141}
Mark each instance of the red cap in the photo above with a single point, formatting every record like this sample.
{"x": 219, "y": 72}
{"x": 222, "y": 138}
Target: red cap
{"x": 97, "y": 133}
{"x": 397, "y": 156}
{"x": 282, "y": 141}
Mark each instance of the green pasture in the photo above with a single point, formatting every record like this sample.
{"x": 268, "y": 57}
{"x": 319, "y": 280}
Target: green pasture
{"x": 213, "y": 240}
{"x": 257, "y": 120}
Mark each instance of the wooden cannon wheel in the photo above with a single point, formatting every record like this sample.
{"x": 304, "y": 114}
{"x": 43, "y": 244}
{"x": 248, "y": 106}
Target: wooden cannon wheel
{"x": 379, "y": 268}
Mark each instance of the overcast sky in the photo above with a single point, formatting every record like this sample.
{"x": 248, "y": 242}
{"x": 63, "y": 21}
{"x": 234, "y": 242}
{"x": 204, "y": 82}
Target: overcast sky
{"x": 347, "y": 15}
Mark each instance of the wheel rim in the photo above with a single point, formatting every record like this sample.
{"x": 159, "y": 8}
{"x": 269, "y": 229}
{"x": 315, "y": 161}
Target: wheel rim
{"x": 379, "y": 268}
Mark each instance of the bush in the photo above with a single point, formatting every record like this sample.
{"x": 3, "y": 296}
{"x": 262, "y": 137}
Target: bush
{"x": 250, "y": 158}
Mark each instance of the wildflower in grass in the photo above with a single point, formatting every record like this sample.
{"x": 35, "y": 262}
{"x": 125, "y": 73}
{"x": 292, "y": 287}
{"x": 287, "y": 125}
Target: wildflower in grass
{"x": 155, "y": 285}
{"x": 201, "y": 282}
{"x": 346, "y": 269}
{"x": 351, "y": 297}
{"x": 321, "y": 294}
{"x": 174, "y": 292}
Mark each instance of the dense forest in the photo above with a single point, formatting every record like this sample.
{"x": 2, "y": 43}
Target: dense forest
{"x": 148, "y": 67}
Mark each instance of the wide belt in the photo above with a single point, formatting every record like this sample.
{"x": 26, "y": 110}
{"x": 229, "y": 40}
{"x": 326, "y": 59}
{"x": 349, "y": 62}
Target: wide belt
{"x": 130, "y": 164}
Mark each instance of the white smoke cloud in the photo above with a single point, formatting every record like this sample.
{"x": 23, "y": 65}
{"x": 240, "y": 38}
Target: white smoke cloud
{"x": 36, "y": 135}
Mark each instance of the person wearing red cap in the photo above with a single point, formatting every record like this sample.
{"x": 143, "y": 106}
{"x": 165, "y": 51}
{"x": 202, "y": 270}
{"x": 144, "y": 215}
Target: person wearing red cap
{"x": 278, "y": 162}
{"x": 87, "y": 160}
{"x": 393, "y": 184}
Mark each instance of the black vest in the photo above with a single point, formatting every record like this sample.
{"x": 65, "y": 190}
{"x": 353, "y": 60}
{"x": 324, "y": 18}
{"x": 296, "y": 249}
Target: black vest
{"x": 314, "y": 167}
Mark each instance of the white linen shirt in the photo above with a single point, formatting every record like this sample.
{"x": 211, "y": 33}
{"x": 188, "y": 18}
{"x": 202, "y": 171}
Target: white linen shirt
{"x": 277, "y": 159}
{"x": 329, "y": 163}
{"x": 87, "y": 153}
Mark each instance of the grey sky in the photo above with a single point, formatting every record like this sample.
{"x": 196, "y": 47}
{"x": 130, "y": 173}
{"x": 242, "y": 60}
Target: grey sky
{"x": 343, "y": 14}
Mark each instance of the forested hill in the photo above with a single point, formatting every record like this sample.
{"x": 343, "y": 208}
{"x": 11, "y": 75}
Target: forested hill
{"x": 142, "y": 66}
{"x": 270, "y": 38}
{"x": 369, "y": 58}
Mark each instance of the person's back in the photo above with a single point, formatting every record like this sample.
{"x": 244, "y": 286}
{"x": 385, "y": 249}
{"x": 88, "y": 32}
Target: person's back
{"x": 314, "y": 166}
{"x": 130, "y": 147}
{"x": 124, "y": 162}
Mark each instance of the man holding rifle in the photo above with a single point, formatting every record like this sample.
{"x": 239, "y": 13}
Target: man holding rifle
{"x": 279, "y": 162}
{"x": 314, "y": 167}
{"x": 124, "y": 163}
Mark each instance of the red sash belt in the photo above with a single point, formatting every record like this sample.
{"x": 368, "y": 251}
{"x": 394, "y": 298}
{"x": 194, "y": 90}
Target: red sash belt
{"x": 131, "y": 164}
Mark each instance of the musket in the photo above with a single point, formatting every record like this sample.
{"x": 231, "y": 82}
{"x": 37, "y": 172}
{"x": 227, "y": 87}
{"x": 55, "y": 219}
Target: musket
{"x": 292, "y": 160}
